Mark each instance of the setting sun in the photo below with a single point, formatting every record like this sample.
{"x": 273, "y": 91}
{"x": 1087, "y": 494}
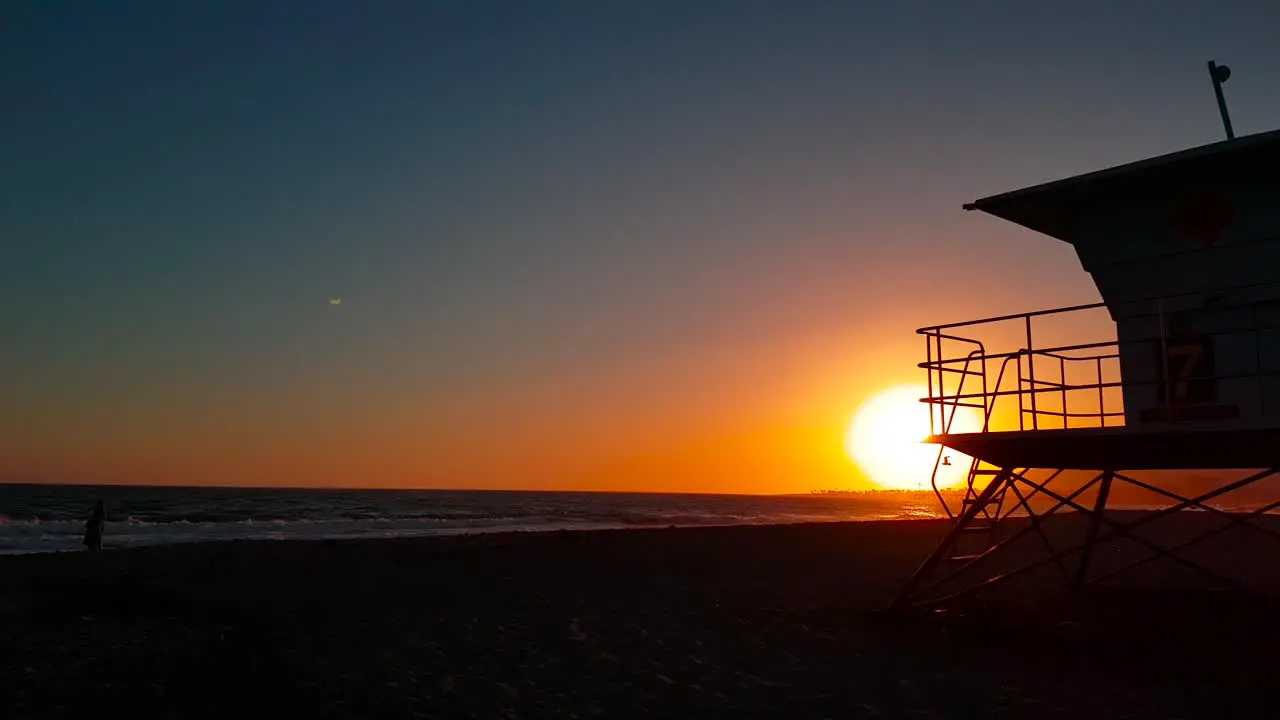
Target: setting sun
{"x": 886, "y": 439}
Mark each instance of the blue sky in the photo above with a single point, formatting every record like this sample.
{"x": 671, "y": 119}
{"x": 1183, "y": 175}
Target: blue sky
{"x": 513, "y": 194}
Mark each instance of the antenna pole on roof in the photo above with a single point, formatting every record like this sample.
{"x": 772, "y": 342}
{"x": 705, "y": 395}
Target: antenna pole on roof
{"x": 1219, "y": 74}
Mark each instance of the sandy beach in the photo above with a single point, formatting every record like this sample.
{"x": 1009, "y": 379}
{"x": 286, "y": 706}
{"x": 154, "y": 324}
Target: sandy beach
{"x": 774, "y": 621}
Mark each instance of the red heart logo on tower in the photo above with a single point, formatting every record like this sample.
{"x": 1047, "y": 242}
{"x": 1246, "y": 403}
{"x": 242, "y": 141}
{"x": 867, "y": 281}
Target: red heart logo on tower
{"x": 1203, "y": 217}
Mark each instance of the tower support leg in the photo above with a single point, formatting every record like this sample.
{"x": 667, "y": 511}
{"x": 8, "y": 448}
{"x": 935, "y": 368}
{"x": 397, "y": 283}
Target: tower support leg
{"x": 1095, "y": 524}
{"x": 923, "y": 588}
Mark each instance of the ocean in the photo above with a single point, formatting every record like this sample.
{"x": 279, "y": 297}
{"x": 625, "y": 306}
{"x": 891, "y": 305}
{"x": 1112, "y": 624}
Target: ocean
{"x": 50, "y": 518}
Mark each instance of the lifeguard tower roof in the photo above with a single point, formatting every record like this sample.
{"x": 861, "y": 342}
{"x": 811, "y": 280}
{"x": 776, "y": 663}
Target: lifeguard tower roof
{"x": 1053, "y": 208}
{"x": 1184, "y": 249}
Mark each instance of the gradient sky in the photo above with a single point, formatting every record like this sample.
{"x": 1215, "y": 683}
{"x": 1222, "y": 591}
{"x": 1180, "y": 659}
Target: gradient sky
{"x": 591, "y": 245}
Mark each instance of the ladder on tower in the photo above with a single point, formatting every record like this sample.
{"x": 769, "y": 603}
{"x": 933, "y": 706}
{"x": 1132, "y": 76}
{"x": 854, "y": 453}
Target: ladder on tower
{"x": 979, "y": 534}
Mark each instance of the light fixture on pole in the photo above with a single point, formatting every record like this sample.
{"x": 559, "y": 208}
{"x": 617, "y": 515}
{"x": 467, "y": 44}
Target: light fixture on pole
{"x": 1220, "y": 74}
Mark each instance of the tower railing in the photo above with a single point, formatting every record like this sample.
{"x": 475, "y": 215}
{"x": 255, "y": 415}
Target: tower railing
{"x": 1061, "y": 384}
{"x": 1021, "y": 375}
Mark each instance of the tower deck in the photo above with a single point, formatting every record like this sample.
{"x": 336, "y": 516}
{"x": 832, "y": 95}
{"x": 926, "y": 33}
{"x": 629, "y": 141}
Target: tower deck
{"x": 1122, "y": 448}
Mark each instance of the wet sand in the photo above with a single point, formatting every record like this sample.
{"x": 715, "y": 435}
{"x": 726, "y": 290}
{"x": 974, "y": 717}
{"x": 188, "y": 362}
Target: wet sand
{"x": 711, "y": 622}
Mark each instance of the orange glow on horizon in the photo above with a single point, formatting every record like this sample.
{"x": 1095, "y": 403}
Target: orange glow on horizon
{"x": 766, "y": 409}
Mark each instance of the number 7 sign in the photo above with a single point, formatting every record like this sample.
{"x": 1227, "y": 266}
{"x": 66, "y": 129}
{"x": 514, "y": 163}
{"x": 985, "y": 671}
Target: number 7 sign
{"x": 1189, "y": 364}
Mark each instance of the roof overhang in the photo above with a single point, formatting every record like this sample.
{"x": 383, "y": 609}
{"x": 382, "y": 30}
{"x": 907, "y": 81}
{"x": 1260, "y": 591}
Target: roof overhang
{"x": 1050, "y": 208}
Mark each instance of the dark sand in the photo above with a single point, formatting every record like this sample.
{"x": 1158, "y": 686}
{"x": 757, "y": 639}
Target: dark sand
{"x": 719, "y": 622}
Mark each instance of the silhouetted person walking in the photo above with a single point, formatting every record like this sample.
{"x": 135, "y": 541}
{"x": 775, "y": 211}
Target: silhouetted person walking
{"x": 93, "y": 528}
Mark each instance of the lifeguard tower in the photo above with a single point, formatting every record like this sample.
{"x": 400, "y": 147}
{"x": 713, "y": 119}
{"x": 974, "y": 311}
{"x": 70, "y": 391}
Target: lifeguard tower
{"x": 1182, "y": 373}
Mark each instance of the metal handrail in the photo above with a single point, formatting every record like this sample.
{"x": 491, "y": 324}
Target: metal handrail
{"x": 1001, "y": 318}
{"x": 1106, "y": 343}
{"x": 933, "y": 479}
{"x": 986, "y": 420}
{"x": 981, "y": 349}
{"x": 1095, "y": 386}
{"x": 1030, "y": 388}
{"x": 1034, "y": 386}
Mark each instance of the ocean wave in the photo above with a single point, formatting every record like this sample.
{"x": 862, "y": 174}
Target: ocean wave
{"x": 50, "y": 518}
{"x": 61, "y": 535}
